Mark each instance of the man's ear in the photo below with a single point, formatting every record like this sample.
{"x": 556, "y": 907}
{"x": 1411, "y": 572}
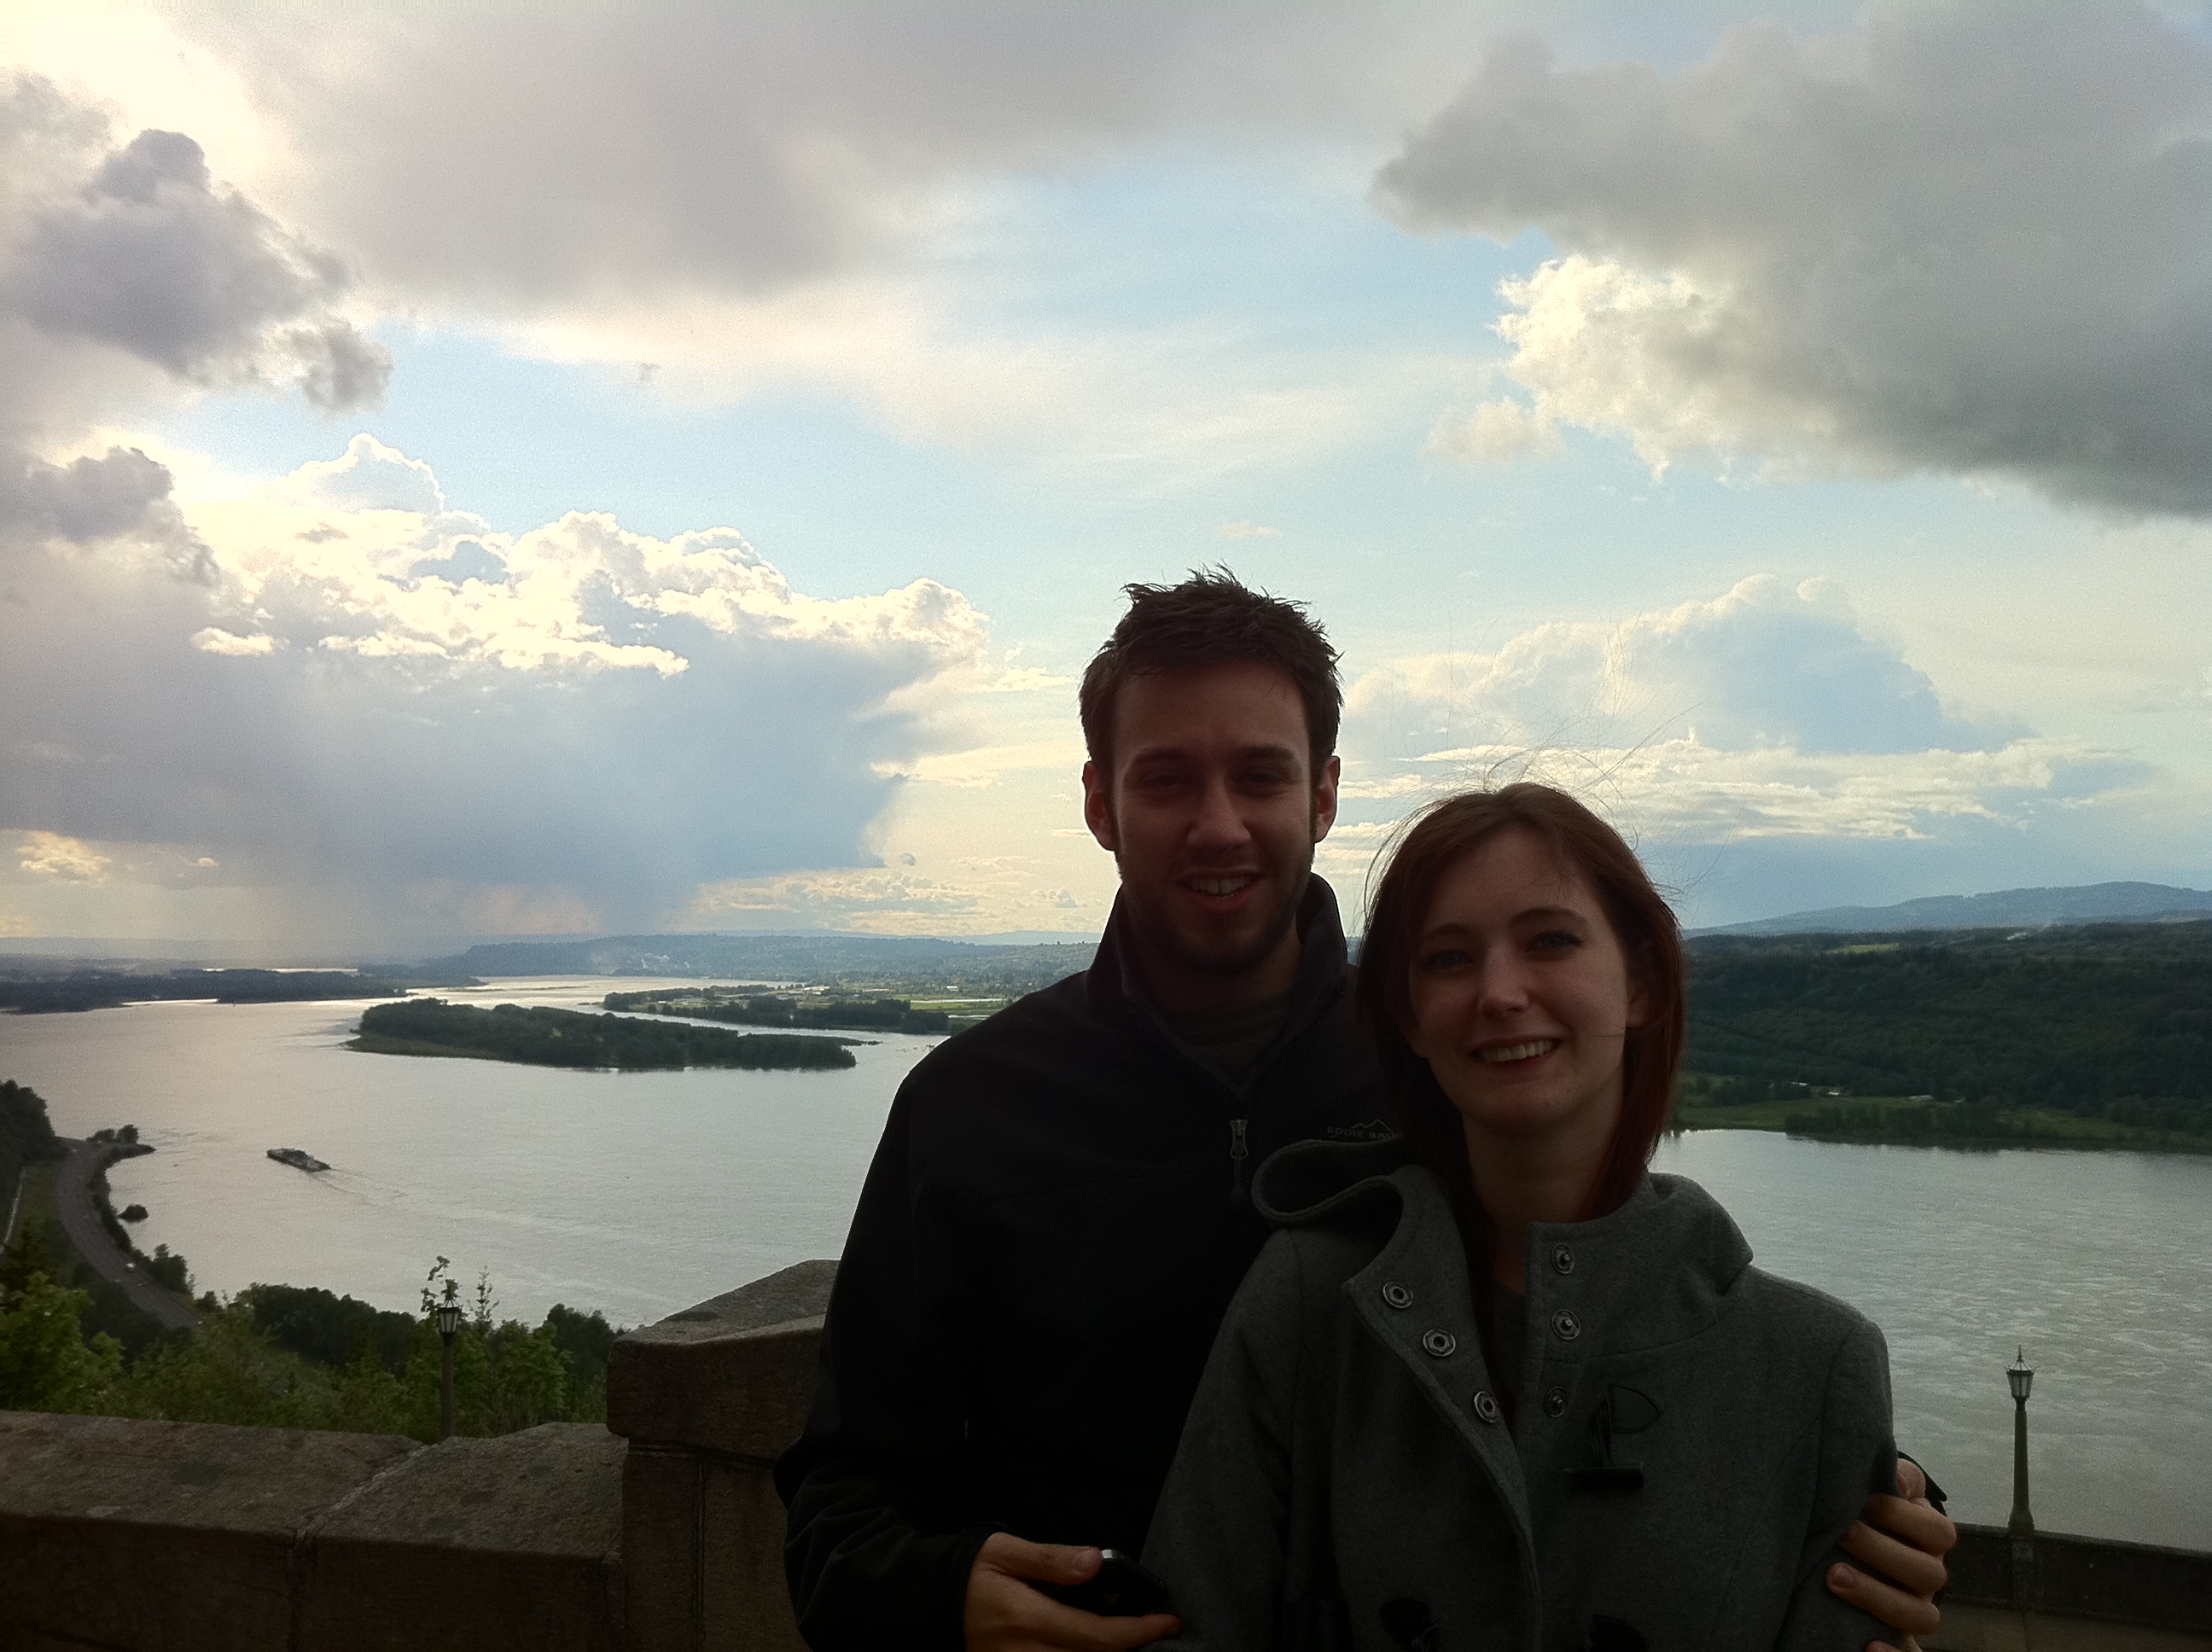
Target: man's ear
{"x": 1325, "y": 798}
{"x": 1099, "y": 807}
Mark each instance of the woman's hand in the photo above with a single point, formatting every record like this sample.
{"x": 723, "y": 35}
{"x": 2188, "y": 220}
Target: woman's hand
{"x": 1005, "y": 1614}
{"x": 1899, "y": 1545}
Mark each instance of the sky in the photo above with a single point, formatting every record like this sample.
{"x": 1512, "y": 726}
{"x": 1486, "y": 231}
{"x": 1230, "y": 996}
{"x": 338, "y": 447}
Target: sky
{"x": 497, "y": 471}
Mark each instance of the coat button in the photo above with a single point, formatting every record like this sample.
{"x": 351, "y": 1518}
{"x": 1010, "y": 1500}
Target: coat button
{"x": 1485, "y": 1405}
{"x": 1397, "y": 1296}
{"x": 1563, "y": 1258}
{"x": 1555, "y": 1403}
{"x": 1439, "y": 1344}
{"x": 1566, "y": 1325}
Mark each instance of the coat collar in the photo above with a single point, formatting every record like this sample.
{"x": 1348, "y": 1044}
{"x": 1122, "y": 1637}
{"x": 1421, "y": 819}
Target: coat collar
{"x": 1662, "y": 1267}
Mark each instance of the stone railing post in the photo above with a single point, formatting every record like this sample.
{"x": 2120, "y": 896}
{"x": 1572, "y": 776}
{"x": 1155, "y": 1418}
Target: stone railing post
{"x": 706, "y": 1398}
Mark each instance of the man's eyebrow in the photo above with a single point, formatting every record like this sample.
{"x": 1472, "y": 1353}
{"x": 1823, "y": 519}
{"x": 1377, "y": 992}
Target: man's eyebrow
{"x": 1249, "y": 753}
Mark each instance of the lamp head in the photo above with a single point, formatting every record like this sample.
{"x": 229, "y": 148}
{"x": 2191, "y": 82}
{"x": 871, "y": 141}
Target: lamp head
{"x": 2017, "y": 1376}
{"x": 448, "y": 1312}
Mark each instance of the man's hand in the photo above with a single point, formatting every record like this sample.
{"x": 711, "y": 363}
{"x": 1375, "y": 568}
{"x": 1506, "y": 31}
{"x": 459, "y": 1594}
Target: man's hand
{"x": 1005, "y": 1614}
{"x": 1900, "y": 1543}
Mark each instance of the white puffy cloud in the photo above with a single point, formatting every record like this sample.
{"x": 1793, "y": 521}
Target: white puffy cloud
{"x": 1962, "y": 239}
{"x": 1764, "y": 664}
{"x": 399, "y": 723}
{"x": 49, "y": 854}
{"x": 1768, "y": 712}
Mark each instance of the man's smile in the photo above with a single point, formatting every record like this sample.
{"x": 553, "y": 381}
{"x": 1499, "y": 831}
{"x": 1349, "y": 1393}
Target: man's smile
{"x": 1221, "y": 884}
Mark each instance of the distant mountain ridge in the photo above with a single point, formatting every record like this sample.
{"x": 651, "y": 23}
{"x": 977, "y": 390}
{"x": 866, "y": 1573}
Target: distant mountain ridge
{"x": 775, "y": 958}
{"x": 2086, "y": 903}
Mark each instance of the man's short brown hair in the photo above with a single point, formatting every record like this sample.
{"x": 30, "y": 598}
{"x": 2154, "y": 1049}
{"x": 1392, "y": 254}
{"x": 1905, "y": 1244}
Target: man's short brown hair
{"x": 1211, "y": 619}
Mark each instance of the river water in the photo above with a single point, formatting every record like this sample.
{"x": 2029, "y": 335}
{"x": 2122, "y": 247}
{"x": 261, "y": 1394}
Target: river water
{"x": 640, "y": 1194}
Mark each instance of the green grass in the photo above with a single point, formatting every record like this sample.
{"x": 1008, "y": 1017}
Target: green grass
{"x": 37, "y": 1196}
{"x": 1899, "y": 1120}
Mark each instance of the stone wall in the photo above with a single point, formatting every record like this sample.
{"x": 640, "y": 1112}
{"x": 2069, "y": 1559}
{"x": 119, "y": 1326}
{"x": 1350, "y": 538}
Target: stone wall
{"x": 660, "y": 1533}
{"x": 2084, "y": 1577}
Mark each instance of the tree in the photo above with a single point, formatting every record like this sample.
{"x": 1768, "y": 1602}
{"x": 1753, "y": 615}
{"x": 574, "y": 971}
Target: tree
{"x": 44, "y": 1365}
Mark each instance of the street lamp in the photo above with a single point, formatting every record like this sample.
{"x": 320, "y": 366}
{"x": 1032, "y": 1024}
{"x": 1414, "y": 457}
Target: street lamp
{"x": 2020, "y": 1379}
{"x": 448, "y": 1315}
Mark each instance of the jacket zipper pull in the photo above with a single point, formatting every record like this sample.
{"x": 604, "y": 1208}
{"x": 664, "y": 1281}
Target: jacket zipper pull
{"x": 1238, "y": 1153}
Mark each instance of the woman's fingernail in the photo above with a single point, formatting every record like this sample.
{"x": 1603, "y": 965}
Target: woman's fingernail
{"x": 1841, "y": 1575}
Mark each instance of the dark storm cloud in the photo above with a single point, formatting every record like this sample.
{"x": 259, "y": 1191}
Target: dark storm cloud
{"x": 1970, "y": 239}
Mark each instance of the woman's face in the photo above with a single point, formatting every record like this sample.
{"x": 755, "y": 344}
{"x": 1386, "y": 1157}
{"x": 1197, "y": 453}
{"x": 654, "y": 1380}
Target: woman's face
{"x": 1522, "y": 995}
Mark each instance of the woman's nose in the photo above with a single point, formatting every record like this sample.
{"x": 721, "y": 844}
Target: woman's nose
{"x": 1504, "y": 988}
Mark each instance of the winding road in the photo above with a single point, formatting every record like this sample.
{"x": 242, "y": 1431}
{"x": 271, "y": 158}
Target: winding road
{"x": 81, "y": 1222}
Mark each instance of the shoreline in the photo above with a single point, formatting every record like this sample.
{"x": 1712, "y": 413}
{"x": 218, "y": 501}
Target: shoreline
{"x": 1899, "y": 1121}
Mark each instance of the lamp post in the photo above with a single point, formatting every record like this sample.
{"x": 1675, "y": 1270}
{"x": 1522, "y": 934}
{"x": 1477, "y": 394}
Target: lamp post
{"x": 2020, "y": 1379}
{"x": 2021, "y": 1532}
{"x": 448, "y": 1313}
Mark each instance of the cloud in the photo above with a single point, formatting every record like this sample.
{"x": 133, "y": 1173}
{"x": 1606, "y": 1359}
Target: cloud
{"x": 49, "y": 854}
{"x": 1764, "y": 664}
{"x": 1246, "y": 531}
{"x": 394, "y": 722}
{"x": 835, "y": 199}
{"x": 1958, "y": 240}
{"x": 127, "y": 271}
{"x": 746, "y": 151}
{"x": 1768, "y": 712}
{"x": 214, "y": 640}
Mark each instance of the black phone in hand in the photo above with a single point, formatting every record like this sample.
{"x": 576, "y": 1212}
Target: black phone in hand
{"x": 1121, "y": 1588}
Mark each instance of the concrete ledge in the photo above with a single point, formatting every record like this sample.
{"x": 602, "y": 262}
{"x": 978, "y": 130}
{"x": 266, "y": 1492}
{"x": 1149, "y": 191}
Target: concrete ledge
{"x": 508, "y": 1541}
{"x": 179, "y": 1536}
{"x": 733, "y": 1375}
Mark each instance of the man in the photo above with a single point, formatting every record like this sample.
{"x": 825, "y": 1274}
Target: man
{"x": 1056, "y": 1218}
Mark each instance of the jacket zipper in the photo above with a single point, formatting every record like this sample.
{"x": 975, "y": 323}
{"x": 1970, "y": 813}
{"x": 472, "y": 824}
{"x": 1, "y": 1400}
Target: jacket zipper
{"x": 1239, "y": 1200}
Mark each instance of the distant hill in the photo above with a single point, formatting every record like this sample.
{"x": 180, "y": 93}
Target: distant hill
{"x": 2102, "y": 1020}
{"x": 2087, "y": 904}
{"x": 852, "y": 959}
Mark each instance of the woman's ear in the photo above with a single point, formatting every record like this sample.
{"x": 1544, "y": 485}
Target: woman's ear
{"x": 1639, "y": 991}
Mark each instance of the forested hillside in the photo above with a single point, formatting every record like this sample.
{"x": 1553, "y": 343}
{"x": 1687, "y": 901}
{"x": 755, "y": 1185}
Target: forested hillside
{"x": 2109, "y": 1020}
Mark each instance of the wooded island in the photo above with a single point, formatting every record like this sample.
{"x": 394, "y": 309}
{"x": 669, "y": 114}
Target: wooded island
{"x": 576, "y": 1038}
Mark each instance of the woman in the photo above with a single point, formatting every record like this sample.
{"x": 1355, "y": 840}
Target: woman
{"x": 1494, "y": 1384}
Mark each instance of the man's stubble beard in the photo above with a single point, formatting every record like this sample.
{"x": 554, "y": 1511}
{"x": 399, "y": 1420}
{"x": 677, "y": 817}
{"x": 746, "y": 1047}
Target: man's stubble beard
{"x": 1168, "y": 943}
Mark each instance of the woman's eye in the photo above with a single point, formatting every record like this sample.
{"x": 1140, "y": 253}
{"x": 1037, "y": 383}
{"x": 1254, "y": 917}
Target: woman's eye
{"x": 1445, "y": 958}
{"x": 1557, "y": 940}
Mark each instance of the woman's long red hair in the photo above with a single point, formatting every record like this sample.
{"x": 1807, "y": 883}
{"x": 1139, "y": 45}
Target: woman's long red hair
{"x": 1643, "y": 922}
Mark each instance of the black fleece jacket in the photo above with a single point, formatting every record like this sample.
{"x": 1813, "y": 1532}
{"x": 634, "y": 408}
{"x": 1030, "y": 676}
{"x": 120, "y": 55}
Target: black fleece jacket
{"x": 1052, "y": 1230}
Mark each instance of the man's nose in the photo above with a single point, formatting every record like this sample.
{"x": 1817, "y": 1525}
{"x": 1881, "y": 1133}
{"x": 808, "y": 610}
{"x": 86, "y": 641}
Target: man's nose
{"x": 1219, "y": 820}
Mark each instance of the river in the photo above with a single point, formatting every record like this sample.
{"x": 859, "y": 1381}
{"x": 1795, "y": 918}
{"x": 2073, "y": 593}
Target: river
{"x": 640, "y": 1194}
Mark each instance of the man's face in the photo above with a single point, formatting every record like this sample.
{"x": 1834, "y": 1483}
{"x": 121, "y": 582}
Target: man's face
{"x": 1211, "y": 811}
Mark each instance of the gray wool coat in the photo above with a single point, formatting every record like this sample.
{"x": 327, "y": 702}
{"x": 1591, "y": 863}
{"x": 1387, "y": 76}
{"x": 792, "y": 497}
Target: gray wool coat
{"x": 1693, "y": 1435}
